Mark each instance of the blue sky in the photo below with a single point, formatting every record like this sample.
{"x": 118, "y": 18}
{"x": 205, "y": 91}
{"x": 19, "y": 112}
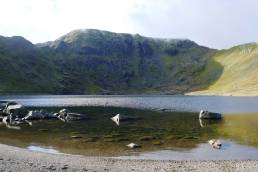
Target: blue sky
{"x": 214, "y": 23}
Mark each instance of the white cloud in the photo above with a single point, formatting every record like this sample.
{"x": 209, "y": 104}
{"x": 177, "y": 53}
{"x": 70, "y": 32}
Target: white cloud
{"x": 215, "y": 23}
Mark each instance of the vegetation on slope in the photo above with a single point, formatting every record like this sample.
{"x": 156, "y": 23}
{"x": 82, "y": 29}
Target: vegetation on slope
{"x": 23, "y": 69}
{"x": 101, "y": 62}
{"x": 240, "y": 71}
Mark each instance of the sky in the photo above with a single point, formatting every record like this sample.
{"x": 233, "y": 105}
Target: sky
{"x": 214, "y": 23}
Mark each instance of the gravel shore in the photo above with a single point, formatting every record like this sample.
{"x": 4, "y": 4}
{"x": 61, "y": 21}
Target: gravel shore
{"x": 18, "y": 159}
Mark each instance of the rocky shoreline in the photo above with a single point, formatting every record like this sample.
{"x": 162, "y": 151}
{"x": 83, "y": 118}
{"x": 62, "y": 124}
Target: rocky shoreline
{"x": 12, "y": 114}
{"x": 23, "y": 160}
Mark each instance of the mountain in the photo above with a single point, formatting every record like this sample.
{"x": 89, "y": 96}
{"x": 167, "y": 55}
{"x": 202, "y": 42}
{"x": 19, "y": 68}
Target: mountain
{"x": 101, "y": 62}
{"x": 23, "y": 68}
{"x": 93, "y": 61}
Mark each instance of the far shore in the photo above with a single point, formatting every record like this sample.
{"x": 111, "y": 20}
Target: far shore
{"x": 210, "y": 93}
{"x": 194, "y": 93}
{"x": 18, "y": 159}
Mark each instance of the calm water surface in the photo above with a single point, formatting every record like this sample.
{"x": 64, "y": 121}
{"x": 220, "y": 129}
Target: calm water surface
{"x": 172, "y": 103}
{"x": 177, "y": 134}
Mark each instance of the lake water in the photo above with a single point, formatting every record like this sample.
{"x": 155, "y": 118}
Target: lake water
{"x": 170, "y": 103}
{"x": 176, "y": 133}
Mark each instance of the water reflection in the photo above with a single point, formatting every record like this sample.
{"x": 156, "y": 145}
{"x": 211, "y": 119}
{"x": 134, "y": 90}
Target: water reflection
{"x": 43, "y": 149}
{"x": 229, "y": 151}
{"x": 207, "y": 122}
{"x": 154, "y": 131}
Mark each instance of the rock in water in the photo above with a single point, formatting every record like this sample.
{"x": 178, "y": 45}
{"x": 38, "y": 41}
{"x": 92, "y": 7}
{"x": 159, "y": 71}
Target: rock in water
{"x": 15, "y": 109}
{"x": 116, "y": 119}
{"x": 33, "y": 115}
{"x": 74, "y": 117}
{"x": 119, "y": 118}
{"x": 133, "y": 145}
{"x": 209, "y": 115}
{"x": 215, "y": 143}
{"x": 65, "y": 115}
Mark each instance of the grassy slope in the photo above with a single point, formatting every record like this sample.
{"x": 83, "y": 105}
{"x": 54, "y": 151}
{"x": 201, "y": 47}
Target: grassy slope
{"x": 23, "y": 69}
{"x": 240, "y": 72}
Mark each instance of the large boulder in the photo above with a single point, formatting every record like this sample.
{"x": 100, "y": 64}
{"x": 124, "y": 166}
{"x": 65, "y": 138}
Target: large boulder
{"x": 15, "y": 109}
{"x": 2, "y": 105}
{"x": 209, "y": 115}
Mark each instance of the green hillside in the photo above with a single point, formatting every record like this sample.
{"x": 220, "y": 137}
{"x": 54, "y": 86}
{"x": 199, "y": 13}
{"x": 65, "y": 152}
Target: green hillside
{"x": 101, "y": 62}
{"x": 240, "y": 71}
{"x": 23, "y": 68}
{"x": 93, "y": 61}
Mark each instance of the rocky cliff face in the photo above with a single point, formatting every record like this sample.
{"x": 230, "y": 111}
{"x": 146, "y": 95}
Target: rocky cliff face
{"x": 101, "y": 62}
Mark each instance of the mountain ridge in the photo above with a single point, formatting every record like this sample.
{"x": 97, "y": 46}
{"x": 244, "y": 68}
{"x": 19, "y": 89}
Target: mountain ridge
{"x": 101, "y": 62}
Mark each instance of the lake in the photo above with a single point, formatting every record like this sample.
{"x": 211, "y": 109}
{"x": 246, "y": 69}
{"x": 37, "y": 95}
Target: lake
{"x": 167, "y": 127}
{"x": 173, "y": 103}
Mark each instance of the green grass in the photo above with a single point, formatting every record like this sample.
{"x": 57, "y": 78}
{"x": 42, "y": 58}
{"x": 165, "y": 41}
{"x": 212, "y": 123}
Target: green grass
{"x": 240, "y": 71}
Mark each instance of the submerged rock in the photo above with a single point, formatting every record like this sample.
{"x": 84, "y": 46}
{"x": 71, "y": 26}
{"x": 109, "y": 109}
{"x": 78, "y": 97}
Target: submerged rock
{"x": 43, "y": 129}
{"x": 65, "y": 115}
{"x": 90, "y": 139}
{"x": 122, "y": 139}
{"x": 133, "y": 145}
{"x": 158, "y": 143}
{"x": 209, "y": 115}
{"x": 36, "y": 115}
{"x": 76, "y": 137}
{"x": 147, "y": 138}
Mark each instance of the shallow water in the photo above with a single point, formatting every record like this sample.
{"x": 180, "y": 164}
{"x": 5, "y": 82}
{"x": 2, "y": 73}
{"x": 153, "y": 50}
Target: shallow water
{"x": 162, "y": 135}
{"x": 175, "y": 132}
{"x": 228, "y": 151}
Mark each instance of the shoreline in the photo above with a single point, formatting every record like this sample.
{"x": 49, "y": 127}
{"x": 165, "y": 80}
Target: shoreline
{"x": 194, "y": 93}
{"x": 19, "y": 159}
